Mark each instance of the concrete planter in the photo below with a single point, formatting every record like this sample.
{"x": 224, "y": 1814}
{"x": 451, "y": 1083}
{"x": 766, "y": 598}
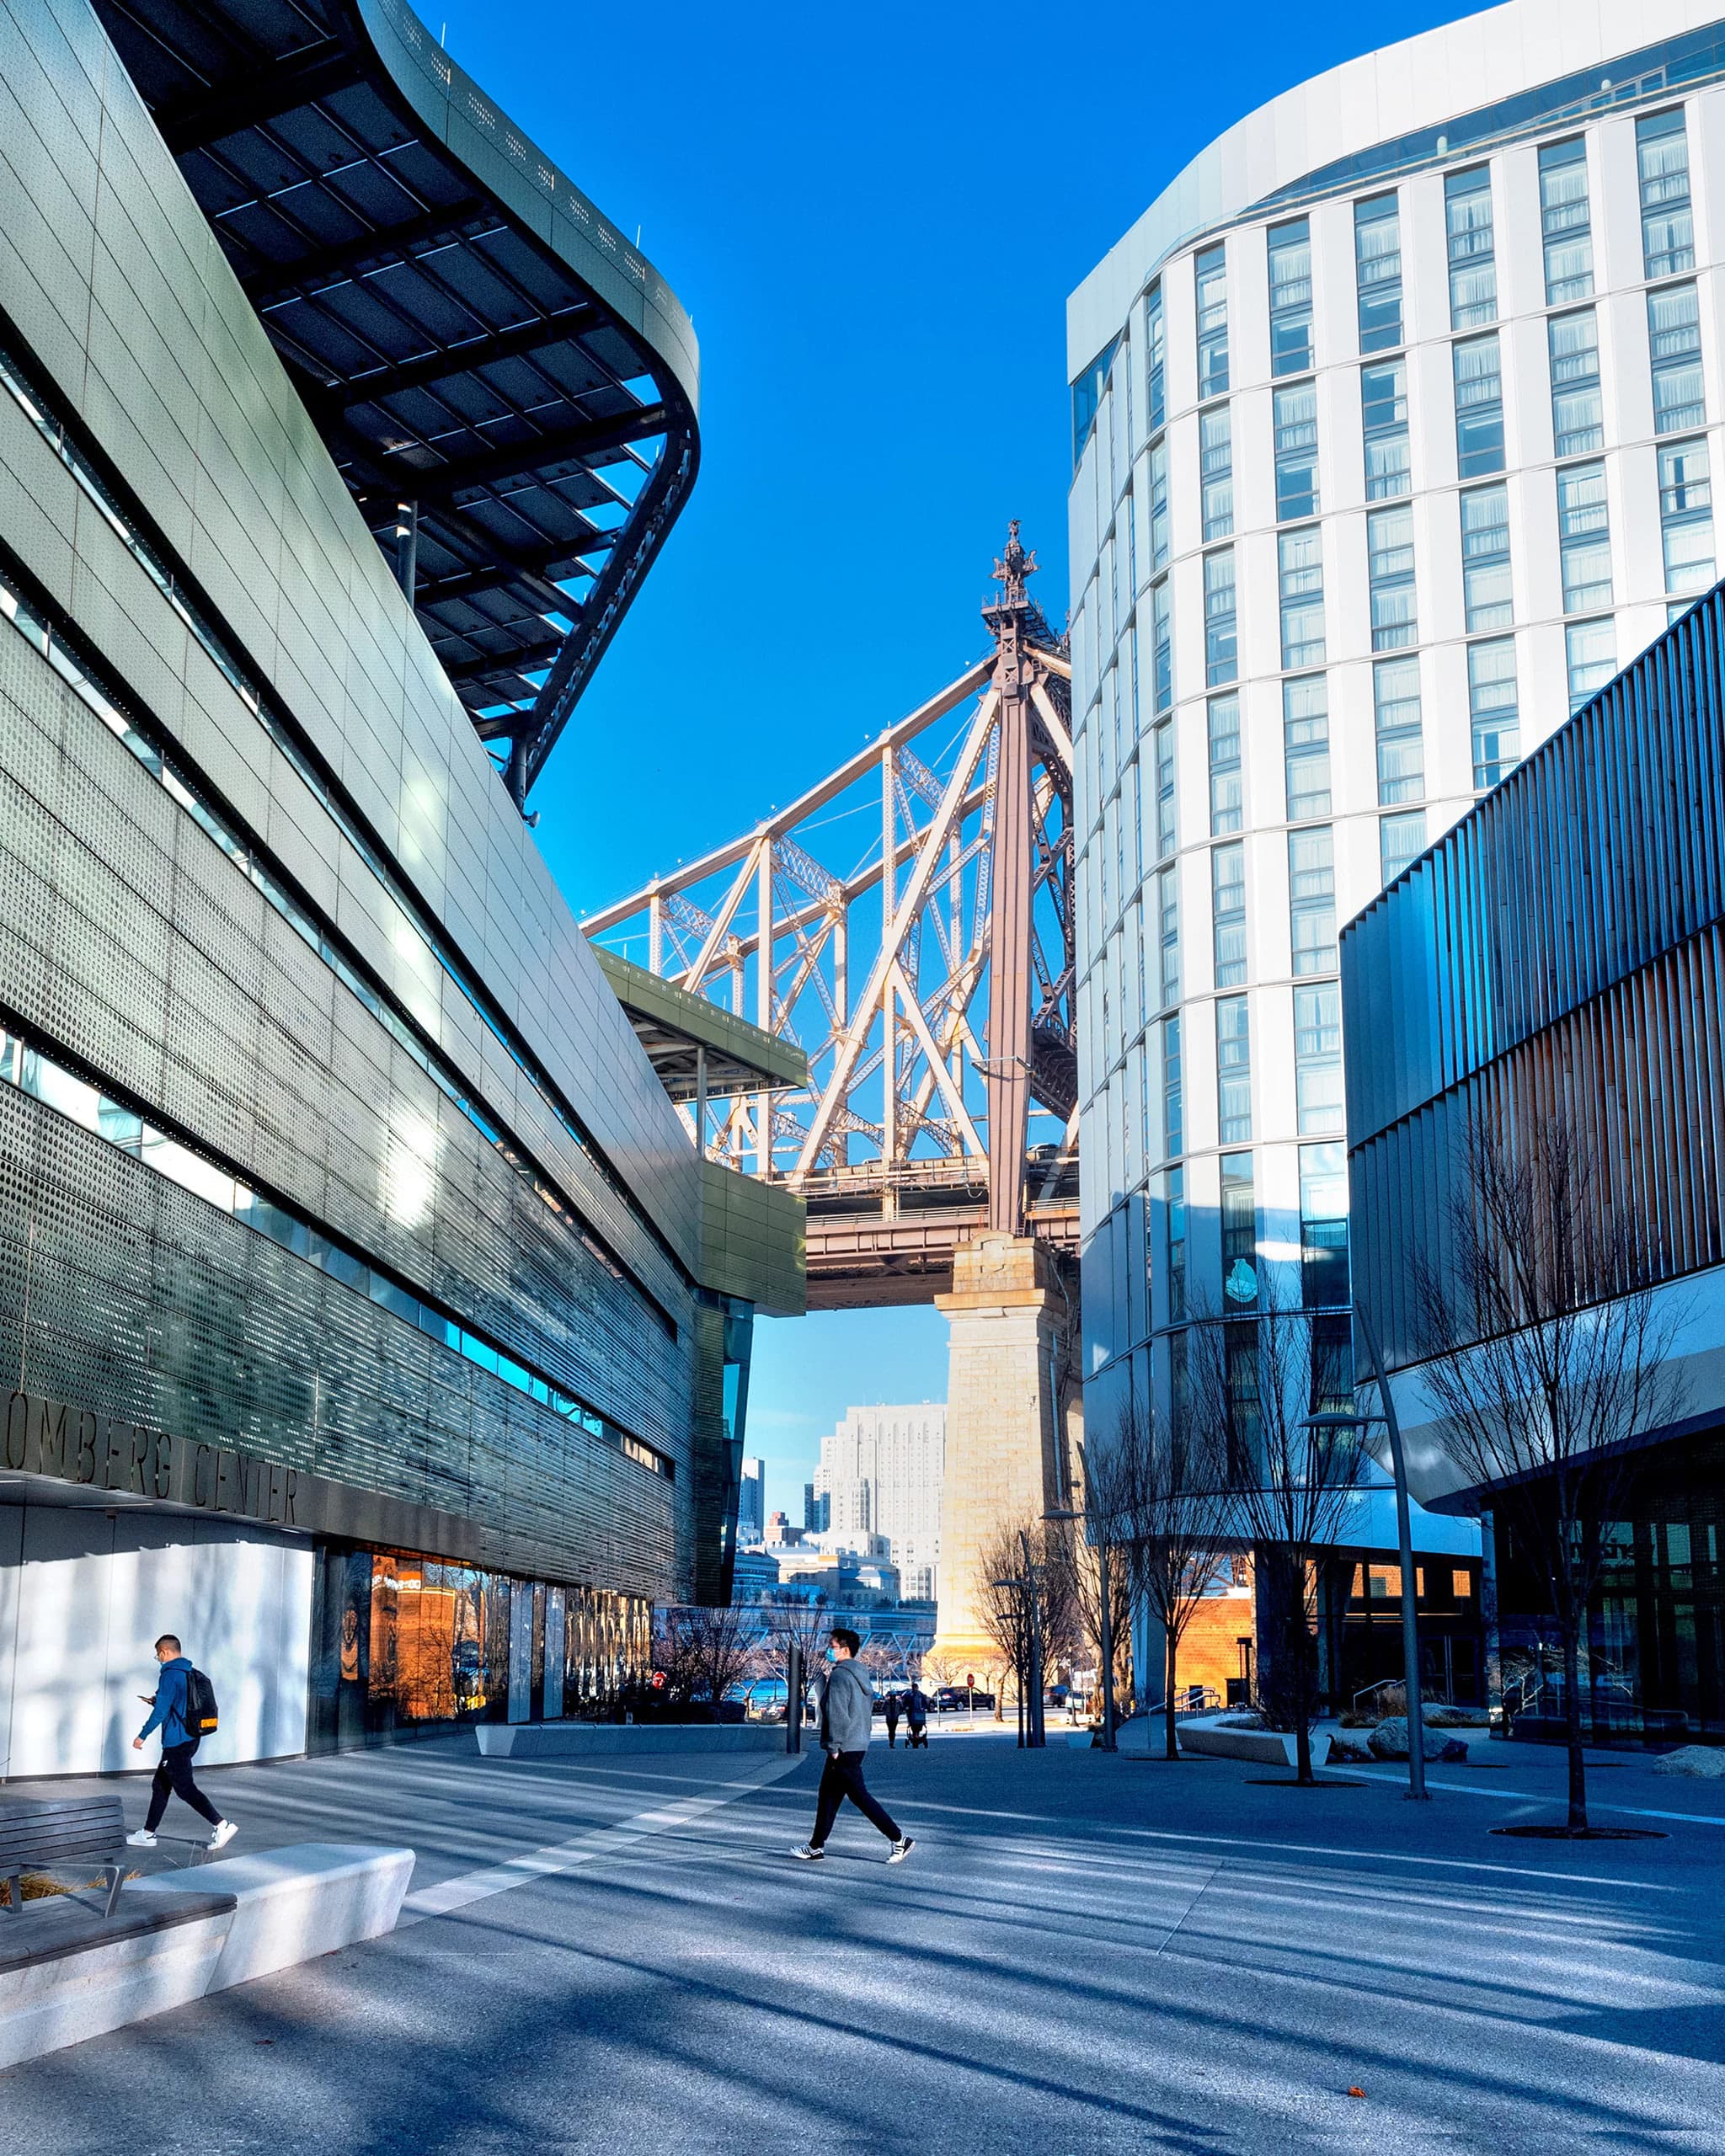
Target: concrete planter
{"x": 594, "y": 1740}
{"x": 66, "y": 1973}
{"x": 1268, "y": 1747}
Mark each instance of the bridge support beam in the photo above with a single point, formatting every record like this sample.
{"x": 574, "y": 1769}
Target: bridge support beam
{"x": 1010, "y": 1397}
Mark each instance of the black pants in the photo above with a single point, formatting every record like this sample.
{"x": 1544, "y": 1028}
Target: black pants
{"x": 841, "y": 1777}
{"x": 173, "y": 1778}
{"x": 892, "y": 1734}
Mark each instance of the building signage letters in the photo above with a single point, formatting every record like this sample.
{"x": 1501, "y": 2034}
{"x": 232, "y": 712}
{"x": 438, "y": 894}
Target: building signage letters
{"x": 104, "y": 1452}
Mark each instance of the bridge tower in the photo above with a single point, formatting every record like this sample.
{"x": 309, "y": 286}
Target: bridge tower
{"x": 907, "y": 923}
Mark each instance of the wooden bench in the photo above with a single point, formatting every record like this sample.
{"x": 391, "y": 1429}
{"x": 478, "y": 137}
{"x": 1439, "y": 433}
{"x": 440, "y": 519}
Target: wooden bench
{"x": 39, "y": 1833}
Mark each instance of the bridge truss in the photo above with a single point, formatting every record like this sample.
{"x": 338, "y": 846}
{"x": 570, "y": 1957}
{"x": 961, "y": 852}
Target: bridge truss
{"x": 908, "y": 923}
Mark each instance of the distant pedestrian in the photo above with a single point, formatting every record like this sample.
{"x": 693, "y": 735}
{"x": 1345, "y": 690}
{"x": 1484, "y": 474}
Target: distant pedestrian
{"x": 917, "y": 1715}
{"x": 846, "y": 1708}
{"x": 893, "y": 1710}
{"x": 171, "y": 1713}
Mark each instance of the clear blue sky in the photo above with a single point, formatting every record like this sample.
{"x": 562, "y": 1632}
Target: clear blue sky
{"x": 874, "y": 215}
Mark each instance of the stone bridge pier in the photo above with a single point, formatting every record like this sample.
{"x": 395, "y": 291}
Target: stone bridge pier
{"x": 1013, "y": 1418}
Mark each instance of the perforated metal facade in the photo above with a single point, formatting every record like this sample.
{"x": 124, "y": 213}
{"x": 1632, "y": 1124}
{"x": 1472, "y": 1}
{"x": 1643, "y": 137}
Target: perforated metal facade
{"x": 311, "y": 946}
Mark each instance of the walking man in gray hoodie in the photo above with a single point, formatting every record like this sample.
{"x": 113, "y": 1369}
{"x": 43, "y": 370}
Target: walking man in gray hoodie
{"x": 846, "y": 1711}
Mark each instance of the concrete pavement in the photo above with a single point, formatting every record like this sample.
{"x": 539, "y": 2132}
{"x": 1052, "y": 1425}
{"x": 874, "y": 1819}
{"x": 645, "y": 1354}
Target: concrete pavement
{"x": 1083, "y": 1953}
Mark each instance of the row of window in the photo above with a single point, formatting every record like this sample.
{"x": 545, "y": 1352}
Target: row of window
{"x": 1323, "y": 1236}
{"x": 1566, "y": 221}
{"x": 117, "y": 1124}
{"x": 54, "y": 425}
{"x": 51, "y": 642}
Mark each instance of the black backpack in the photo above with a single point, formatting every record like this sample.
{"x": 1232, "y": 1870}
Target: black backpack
{"x": 200, "y": 1710}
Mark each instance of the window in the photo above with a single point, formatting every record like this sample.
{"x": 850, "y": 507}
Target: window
{"x": 1211, "y": 271}
{"x": 1473, "y": 268}
{"x": 1383, "y": 411}
{"x": 1675, "y": 344}
{"x": 1158, "y": 507}
{"x": 1686, "y": 516}
{"x": 1216, "y": 463}
{"x": 1296, "y": 451}
{"x": 1395, "y": 685}
{"x": 1167, "y": 902}
{"x": 1485, "y": 559}
{"x": 1233, "y": 1069}
{"x": 1173, "y": 1090}
{"x": 1225, "y": 794}
{"x": 1493, "y": 710}
{"x": 1389, "y": 557}
{"x": 1317, "y": 1057}
{"x": 1565, "y": 222}
{"x": 1400, "y": 839}
{"x": 1227, "y": 898}
{"x": 1221, "y": 653}
{"x": 1174, "y": 1243}
{"x": 1377, "y": 267}
{"x": 1156, "y": 359}
{"x": 1301, "y": 567}
{"x": 1305, "y": 747}
{"x": 1323, "y": 1225}
{"x": 1290, "y": 298}
{"x": 1479, "y": 408}
{"x": 1591, "y": 649}
{"x": 1161, "y": 645}
{"x": 1239, "y": 1234}
{"x": 1312, "y": 901}
{"x": 1667, "y": 222}
{"x": 1164, "y": 749}
{"x": 1577, "y": 416}
{"x": 1584, "y": 537}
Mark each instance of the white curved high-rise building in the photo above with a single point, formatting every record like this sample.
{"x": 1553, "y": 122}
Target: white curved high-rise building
{"x": 1393, "y": 422}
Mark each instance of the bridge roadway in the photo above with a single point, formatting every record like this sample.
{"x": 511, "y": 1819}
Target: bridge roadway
{"x": 876, "y": 1243}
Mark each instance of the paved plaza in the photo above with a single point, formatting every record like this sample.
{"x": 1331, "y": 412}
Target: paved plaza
{"x": 1083, "y": 1953}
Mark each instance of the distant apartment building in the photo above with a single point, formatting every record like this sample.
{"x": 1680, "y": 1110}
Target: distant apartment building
{"x": 751, "y": 1503}
{"x": 880, "y": 1474}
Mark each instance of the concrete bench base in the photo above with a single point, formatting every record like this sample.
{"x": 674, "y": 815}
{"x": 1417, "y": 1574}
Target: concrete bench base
{"x": 594, "y": 1740}
{"x": 69, "y": 1973}
{"x": 1269, "y": 1747}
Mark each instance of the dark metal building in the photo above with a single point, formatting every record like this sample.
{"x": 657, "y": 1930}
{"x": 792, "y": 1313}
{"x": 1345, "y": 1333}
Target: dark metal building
{"x": 366, "y": 1314}
{"x": 1559, "y": 956}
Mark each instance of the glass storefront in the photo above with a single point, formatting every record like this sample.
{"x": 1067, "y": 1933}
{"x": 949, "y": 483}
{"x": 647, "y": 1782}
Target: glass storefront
{"x": 401, "y": 1643}
{"x": 1654, "y": 1671}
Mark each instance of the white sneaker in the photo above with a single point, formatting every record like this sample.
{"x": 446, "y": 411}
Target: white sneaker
{"x": 223, "y": 1835}
{"x": 142, "y": 1839}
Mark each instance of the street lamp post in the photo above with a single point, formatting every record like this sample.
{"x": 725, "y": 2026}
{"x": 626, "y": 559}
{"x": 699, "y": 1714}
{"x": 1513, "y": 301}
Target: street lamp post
{"x": 1404, "y": 1537}
{"x": 1038, "y": 1735}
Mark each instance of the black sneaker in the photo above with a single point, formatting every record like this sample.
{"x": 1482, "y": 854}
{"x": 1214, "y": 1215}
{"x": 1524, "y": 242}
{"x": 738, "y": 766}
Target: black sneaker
{"x": 810, "y": 1854}
{"x": 900, "y": 1850}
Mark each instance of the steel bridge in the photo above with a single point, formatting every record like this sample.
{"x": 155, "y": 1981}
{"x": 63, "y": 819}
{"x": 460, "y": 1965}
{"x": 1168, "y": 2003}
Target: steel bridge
{"x": 908, "y": 923}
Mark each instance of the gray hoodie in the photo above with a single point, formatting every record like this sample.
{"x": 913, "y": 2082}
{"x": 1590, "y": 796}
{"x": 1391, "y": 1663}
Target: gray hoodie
{"x": 847, "y": 1707}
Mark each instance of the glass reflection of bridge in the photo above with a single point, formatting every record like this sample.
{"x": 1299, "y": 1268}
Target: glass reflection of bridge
{"x": 908, "y": 923}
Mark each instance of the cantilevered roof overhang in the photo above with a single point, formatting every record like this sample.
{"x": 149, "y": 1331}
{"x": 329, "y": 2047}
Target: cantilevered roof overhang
{"x": 698, "y": 1049}
{"x": 509, "y": 387}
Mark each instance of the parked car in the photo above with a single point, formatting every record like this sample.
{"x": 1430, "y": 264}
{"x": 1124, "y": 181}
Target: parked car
{"x": 953, "y": 1699}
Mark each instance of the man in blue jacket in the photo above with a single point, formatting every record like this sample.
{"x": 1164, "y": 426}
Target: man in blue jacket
{"x": 847, "y": 1721}
{"x": 173, "y": 1777}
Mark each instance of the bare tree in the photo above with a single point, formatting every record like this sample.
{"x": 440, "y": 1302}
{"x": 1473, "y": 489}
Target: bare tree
{"x": 705, "y": 1652}
{"x": 1254, "y": 1380}
{"x": 1161, "y": 1480}
{"x": 1547, "y": 1350}
{"x": 791, "y": 1621}
{"x": 1096, "y": 1553}
{"x": 1029, "y": 1603}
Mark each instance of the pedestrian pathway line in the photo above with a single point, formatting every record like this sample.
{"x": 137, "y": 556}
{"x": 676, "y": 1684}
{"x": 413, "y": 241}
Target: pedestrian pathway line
{"x": 1539, "y": 1796}
{"x": 448, "y": 1895}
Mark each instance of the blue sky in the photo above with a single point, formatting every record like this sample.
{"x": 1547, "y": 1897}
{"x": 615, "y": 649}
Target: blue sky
{"x": 874, "y": 215}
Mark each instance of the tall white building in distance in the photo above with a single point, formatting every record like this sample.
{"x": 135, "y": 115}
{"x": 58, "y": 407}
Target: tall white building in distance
{"x": 751, "y": 1503}
{"x": 880, "y": 1473}
{"x": 1394, "y": 422}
